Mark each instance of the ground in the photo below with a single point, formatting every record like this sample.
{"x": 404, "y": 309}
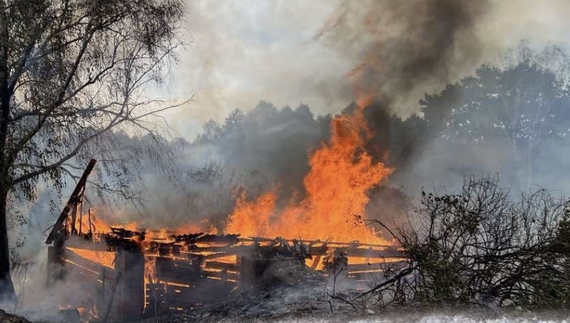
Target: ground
{"x": 11, "y": 318}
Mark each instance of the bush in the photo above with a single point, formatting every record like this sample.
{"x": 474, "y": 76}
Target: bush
{"x": 480, "y": 246}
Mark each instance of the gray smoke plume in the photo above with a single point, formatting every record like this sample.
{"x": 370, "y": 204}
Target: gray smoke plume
{"x": 407, "y": 48}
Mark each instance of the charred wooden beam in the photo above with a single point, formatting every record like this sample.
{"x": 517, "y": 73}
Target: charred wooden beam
{"x": 58, "y": 233}
{"x": 120, "y": 244}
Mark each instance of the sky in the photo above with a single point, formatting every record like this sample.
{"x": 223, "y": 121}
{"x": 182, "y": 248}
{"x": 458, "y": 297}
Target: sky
{"x": 241, "y": 52}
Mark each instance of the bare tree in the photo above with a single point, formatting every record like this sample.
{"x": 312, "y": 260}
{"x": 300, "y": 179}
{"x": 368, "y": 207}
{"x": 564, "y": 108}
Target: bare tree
{"x": 73, "y": 75}
{"x": 480, "y": 246}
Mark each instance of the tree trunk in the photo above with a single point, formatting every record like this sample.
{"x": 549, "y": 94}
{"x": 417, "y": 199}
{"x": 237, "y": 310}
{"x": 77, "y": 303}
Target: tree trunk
{"x": 7, "y": 293}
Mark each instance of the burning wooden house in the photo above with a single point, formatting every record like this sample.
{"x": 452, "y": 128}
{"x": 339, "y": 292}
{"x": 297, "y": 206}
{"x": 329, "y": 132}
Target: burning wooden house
{"x": 132, "y": 273}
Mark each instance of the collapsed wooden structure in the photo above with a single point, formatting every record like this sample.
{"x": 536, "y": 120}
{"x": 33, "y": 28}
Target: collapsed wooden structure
{"x": 133, "y": 274}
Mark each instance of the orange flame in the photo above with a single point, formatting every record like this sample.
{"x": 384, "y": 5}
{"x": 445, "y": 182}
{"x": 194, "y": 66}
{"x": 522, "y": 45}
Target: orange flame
{"x": 91, "y": 223}
{"x": 341, "y": 174}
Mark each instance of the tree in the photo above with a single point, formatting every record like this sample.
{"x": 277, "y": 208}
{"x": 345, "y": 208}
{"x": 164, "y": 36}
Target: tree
{"x": 73, "y": 74}
{"x": 520, "y": 108}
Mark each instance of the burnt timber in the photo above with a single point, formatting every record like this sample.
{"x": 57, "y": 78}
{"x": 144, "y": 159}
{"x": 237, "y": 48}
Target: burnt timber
{"x": 148, "y": 276}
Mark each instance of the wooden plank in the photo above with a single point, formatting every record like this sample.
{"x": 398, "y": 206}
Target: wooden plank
{"x": 165, "y": 270}
{"x": 222, "y": 266}
{"x": 218, "y": 255}
{"x": 221, "y": 275}
{"x": 79, "y": 243}
{"x": 88, "y": 264}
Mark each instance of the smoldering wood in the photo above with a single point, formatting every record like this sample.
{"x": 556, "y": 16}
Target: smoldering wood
{"x": 179, "y": 272}
{"x": 189, "y": 274}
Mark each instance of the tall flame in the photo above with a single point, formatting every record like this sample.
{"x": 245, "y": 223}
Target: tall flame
{"x": 341, "y": 173}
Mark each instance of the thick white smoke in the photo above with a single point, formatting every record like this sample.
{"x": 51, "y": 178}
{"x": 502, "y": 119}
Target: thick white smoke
{"x": 292, "y": 52}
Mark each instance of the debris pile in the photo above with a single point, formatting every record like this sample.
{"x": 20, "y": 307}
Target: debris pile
{"x": 132, "y": 273}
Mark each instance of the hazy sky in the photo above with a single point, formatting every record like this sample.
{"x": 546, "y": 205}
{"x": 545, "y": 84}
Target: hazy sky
{"x": 243, "y": 51}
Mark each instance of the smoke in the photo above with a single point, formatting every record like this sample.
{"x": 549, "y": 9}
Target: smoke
{"x": 247, "y": 51}
{"x": 293, "y": 52}
{"x": 248, "y": 153}
{"x": 325, "y": 54}
{"x": 405, "y": 49}
{"x": 322, "y": 54}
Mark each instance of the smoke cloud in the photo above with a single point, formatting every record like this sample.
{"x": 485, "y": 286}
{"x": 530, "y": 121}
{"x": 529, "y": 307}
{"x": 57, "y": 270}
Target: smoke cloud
{"x": 293, "y": 52}
{"x": 406, "y": 49}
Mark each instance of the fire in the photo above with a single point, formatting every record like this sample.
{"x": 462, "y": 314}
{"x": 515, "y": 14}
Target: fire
{"x": 341, "y": 173}
{"x": 104, "y": 258}
{"x": 92, "y": 223}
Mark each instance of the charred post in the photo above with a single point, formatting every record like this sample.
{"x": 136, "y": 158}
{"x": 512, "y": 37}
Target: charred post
{"x": 129, "y": 299}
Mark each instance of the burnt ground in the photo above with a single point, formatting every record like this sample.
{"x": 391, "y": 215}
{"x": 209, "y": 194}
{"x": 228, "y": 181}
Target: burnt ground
{"x": 11, "y": 318}
{"x": 288, "y": 292}
{"x": 299, "y": 294}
